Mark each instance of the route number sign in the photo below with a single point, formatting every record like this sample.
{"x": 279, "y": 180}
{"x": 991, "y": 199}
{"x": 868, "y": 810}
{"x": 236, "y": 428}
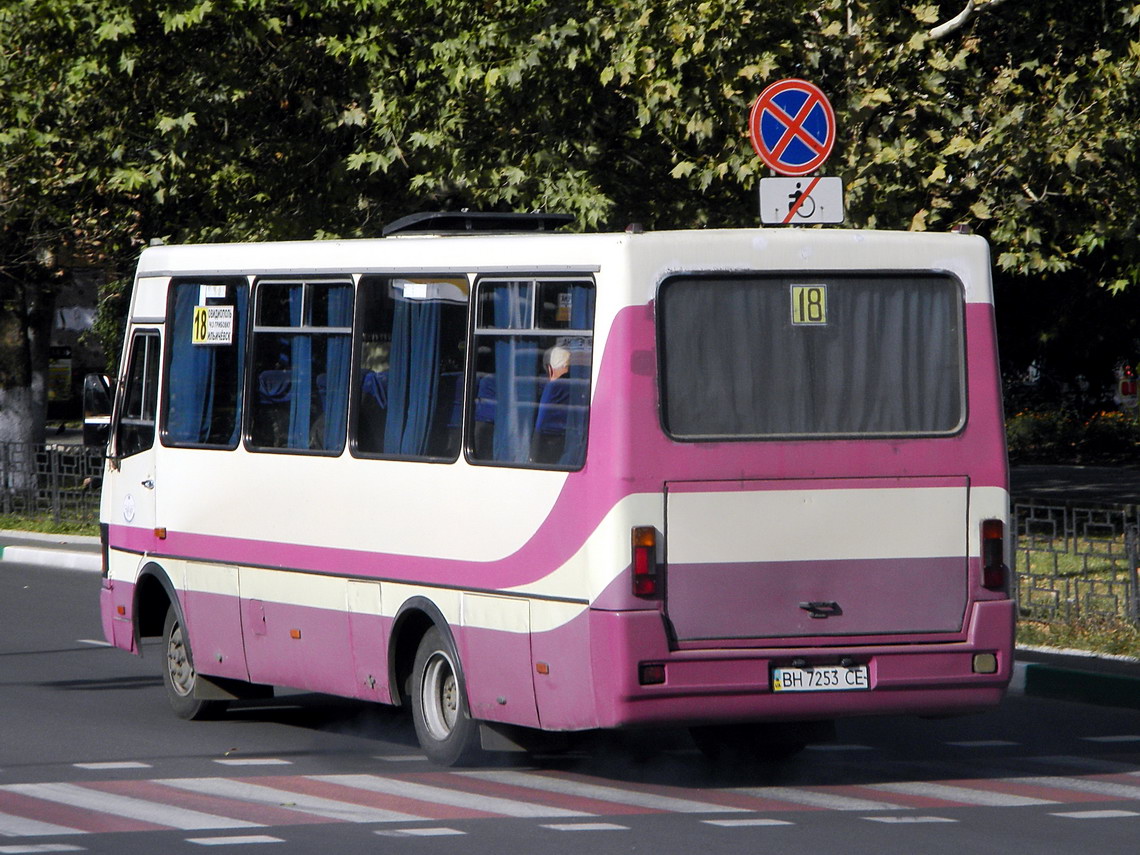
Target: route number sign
{"x": 809, "y": 304}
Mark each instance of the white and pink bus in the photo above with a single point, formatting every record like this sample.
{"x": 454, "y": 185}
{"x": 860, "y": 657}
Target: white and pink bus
{"x": 739, "y": 480}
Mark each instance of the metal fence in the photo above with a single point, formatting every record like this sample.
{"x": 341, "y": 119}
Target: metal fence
{"x": 1077, "y": 563}
{"x": 58, "y": 482}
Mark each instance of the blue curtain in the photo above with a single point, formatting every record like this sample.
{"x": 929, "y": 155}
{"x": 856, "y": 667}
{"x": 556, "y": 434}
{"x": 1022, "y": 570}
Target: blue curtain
{"x": 518, "y": 363}
{"x": 335, "y": 398}
{"x": 204, "y": 388}
{"x": 578, "y": 414}
{"x": 300, "y": 366}
{"x": 413, "y": 376}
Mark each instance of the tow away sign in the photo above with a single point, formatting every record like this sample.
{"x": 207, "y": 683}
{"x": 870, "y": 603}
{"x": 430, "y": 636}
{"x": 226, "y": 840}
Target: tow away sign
{"x": 792, "y": 127}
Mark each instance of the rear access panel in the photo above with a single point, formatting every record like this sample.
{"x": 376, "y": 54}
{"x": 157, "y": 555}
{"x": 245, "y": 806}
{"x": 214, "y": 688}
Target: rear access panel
{"x": 816, "y": 557}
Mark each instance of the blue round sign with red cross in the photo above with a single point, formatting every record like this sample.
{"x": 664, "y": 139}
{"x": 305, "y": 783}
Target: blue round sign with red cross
{"x": 792, "y": 127}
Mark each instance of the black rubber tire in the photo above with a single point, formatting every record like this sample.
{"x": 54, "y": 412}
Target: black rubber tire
{"x": 178, "y": 674}
{"x": 446, "y": 732}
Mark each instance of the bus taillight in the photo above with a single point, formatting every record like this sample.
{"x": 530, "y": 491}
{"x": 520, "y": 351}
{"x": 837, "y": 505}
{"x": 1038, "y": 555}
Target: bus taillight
{"x": 644, "y": 540}
{"x": 994, "y": 571}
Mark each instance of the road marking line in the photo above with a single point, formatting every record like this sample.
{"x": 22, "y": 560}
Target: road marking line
{"x": 444, "y": 796}
{"x": 983, "y": 743}
{"x": 1085, "y": 785}
{"x": 1096, "y": 814}
{"x": 1126, "y": 737}
{"x": 94, "y": 642}
{"x": 419, "y": 832}
{"x": 258, "y": 794}
{"x": 745, "y": 823}
{"x": 127, "y": 806}
{"x": 112, "y": 764}
{"x": 234, "y": 841}
{"x": 252, "y": 761}
{"x": 908, "y": 820}
{"x": 400, "y": 758}
{"x": 568, "y": 787}
{"x": 18, "y": 826}
{"x": 586, "y": 826}
{"x": 39, "y": 847}
{"x": 963, "y": 795}
{"x": 811, "y": 798}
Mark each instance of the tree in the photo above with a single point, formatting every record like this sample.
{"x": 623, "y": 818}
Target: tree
{"x": 249, "y": 119}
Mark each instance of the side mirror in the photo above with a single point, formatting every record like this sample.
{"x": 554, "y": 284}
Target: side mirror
{"x": 97, "y": 396}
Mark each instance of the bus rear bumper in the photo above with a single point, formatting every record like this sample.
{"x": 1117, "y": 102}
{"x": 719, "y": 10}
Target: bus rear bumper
{"x": 725, "y": 685}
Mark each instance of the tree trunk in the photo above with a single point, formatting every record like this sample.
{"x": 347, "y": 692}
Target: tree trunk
{"x": 25, "y": 335}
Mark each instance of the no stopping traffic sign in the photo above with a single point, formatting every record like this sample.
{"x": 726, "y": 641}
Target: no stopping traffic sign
{"x": 792, "y": 127}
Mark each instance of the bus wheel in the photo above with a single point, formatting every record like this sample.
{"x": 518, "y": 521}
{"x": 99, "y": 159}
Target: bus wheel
{"x": 178, "y": 675}
{"x": 444, "y": 727}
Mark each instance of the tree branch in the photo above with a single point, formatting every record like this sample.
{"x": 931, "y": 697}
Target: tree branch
{"x": 958, "y": 21}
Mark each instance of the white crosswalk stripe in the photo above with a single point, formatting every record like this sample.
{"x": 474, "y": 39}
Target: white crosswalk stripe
{"x": 444, "y": 796}
{"x": 565, "y": 786}
{"x": 18, "y": 826}
{"x": 963, "y": 795}
{"x": 1084, "y": 785}
{"x": 811, "y": 798}
{"x": 260, "y": 794}
{"x": 126, "y": 806}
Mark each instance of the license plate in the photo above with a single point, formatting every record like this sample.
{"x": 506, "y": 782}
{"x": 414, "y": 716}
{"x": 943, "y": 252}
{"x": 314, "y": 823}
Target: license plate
{"x": 828, "y": 678}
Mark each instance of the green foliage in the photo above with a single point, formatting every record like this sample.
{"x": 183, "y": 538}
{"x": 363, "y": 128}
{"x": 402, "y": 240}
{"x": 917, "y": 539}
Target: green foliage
{"x": 1061, "y": 436}
{"x": 194, "y": 120}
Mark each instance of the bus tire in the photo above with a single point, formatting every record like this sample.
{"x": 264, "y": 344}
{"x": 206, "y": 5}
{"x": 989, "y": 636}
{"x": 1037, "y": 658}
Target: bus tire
{"x": 178, "y": 674}
{"x": 444, "y": 727}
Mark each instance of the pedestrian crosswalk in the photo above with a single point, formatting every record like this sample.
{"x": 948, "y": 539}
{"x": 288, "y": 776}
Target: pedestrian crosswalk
{"x": 557, "y": 798}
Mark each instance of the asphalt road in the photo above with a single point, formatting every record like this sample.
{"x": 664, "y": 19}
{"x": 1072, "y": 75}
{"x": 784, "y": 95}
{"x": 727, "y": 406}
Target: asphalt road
{"x": 91, "y": 760}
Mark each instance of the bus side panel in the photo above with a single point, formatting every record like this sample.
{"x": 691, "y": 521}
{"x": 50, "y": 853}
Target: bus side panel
{"x": 494, "y": 648}
{"x": 289, "y": 644}
{"x": 564, "y": 687}
{"x": 213, "y": 620}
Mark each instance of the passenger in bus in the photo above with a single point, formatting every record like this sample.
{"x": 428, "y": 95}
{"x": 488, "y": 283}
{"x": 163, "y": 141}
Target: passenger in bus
{"x": 485, "y": 404}
{"x": 274, "y": 392}
{"x": 550, "y": 424}
{"x": 373, "y": 411}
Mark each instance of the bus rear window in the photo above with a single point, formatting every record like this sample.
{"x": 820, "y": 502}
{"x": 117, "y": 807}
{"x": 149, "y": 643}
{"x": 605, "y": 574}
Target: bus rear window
{"x": 829, "y": 355}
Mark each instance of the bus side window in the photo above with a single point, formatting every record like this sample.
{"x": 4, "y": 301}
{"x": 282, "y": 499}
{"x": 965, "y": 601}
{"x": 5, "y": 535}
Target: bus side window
{"x": 301, "y": 351}
{"x": 409, "y": 385}
{"x": 534, "y": 342}
{"x": 135, "y": 432}
{"x": 205, "y": 363}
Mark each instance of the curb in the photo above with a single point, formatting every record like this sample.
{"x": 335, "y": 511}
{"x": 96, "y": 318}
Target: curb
{"x": 1069, "y": 684}
{"x": 61, "y": 558}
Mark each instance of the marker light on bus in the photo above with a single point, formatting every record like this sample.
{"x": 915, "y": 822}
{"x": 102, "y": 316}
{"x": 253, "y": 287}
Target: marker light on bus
{"x": 993, "y": 555}
{"x": 644, "y": 539}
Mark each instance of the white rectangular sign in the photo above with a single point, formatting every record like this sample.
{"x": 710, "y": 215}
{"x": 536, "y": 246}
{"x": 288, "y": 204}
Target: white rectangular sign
{"x": 801, "y": 201}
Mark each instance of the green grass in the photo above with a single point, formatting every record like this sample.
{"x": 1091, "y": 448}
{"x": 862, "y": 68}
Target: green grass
{"x": 1100, "y": 635}
{"x": 46, "y": 525}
